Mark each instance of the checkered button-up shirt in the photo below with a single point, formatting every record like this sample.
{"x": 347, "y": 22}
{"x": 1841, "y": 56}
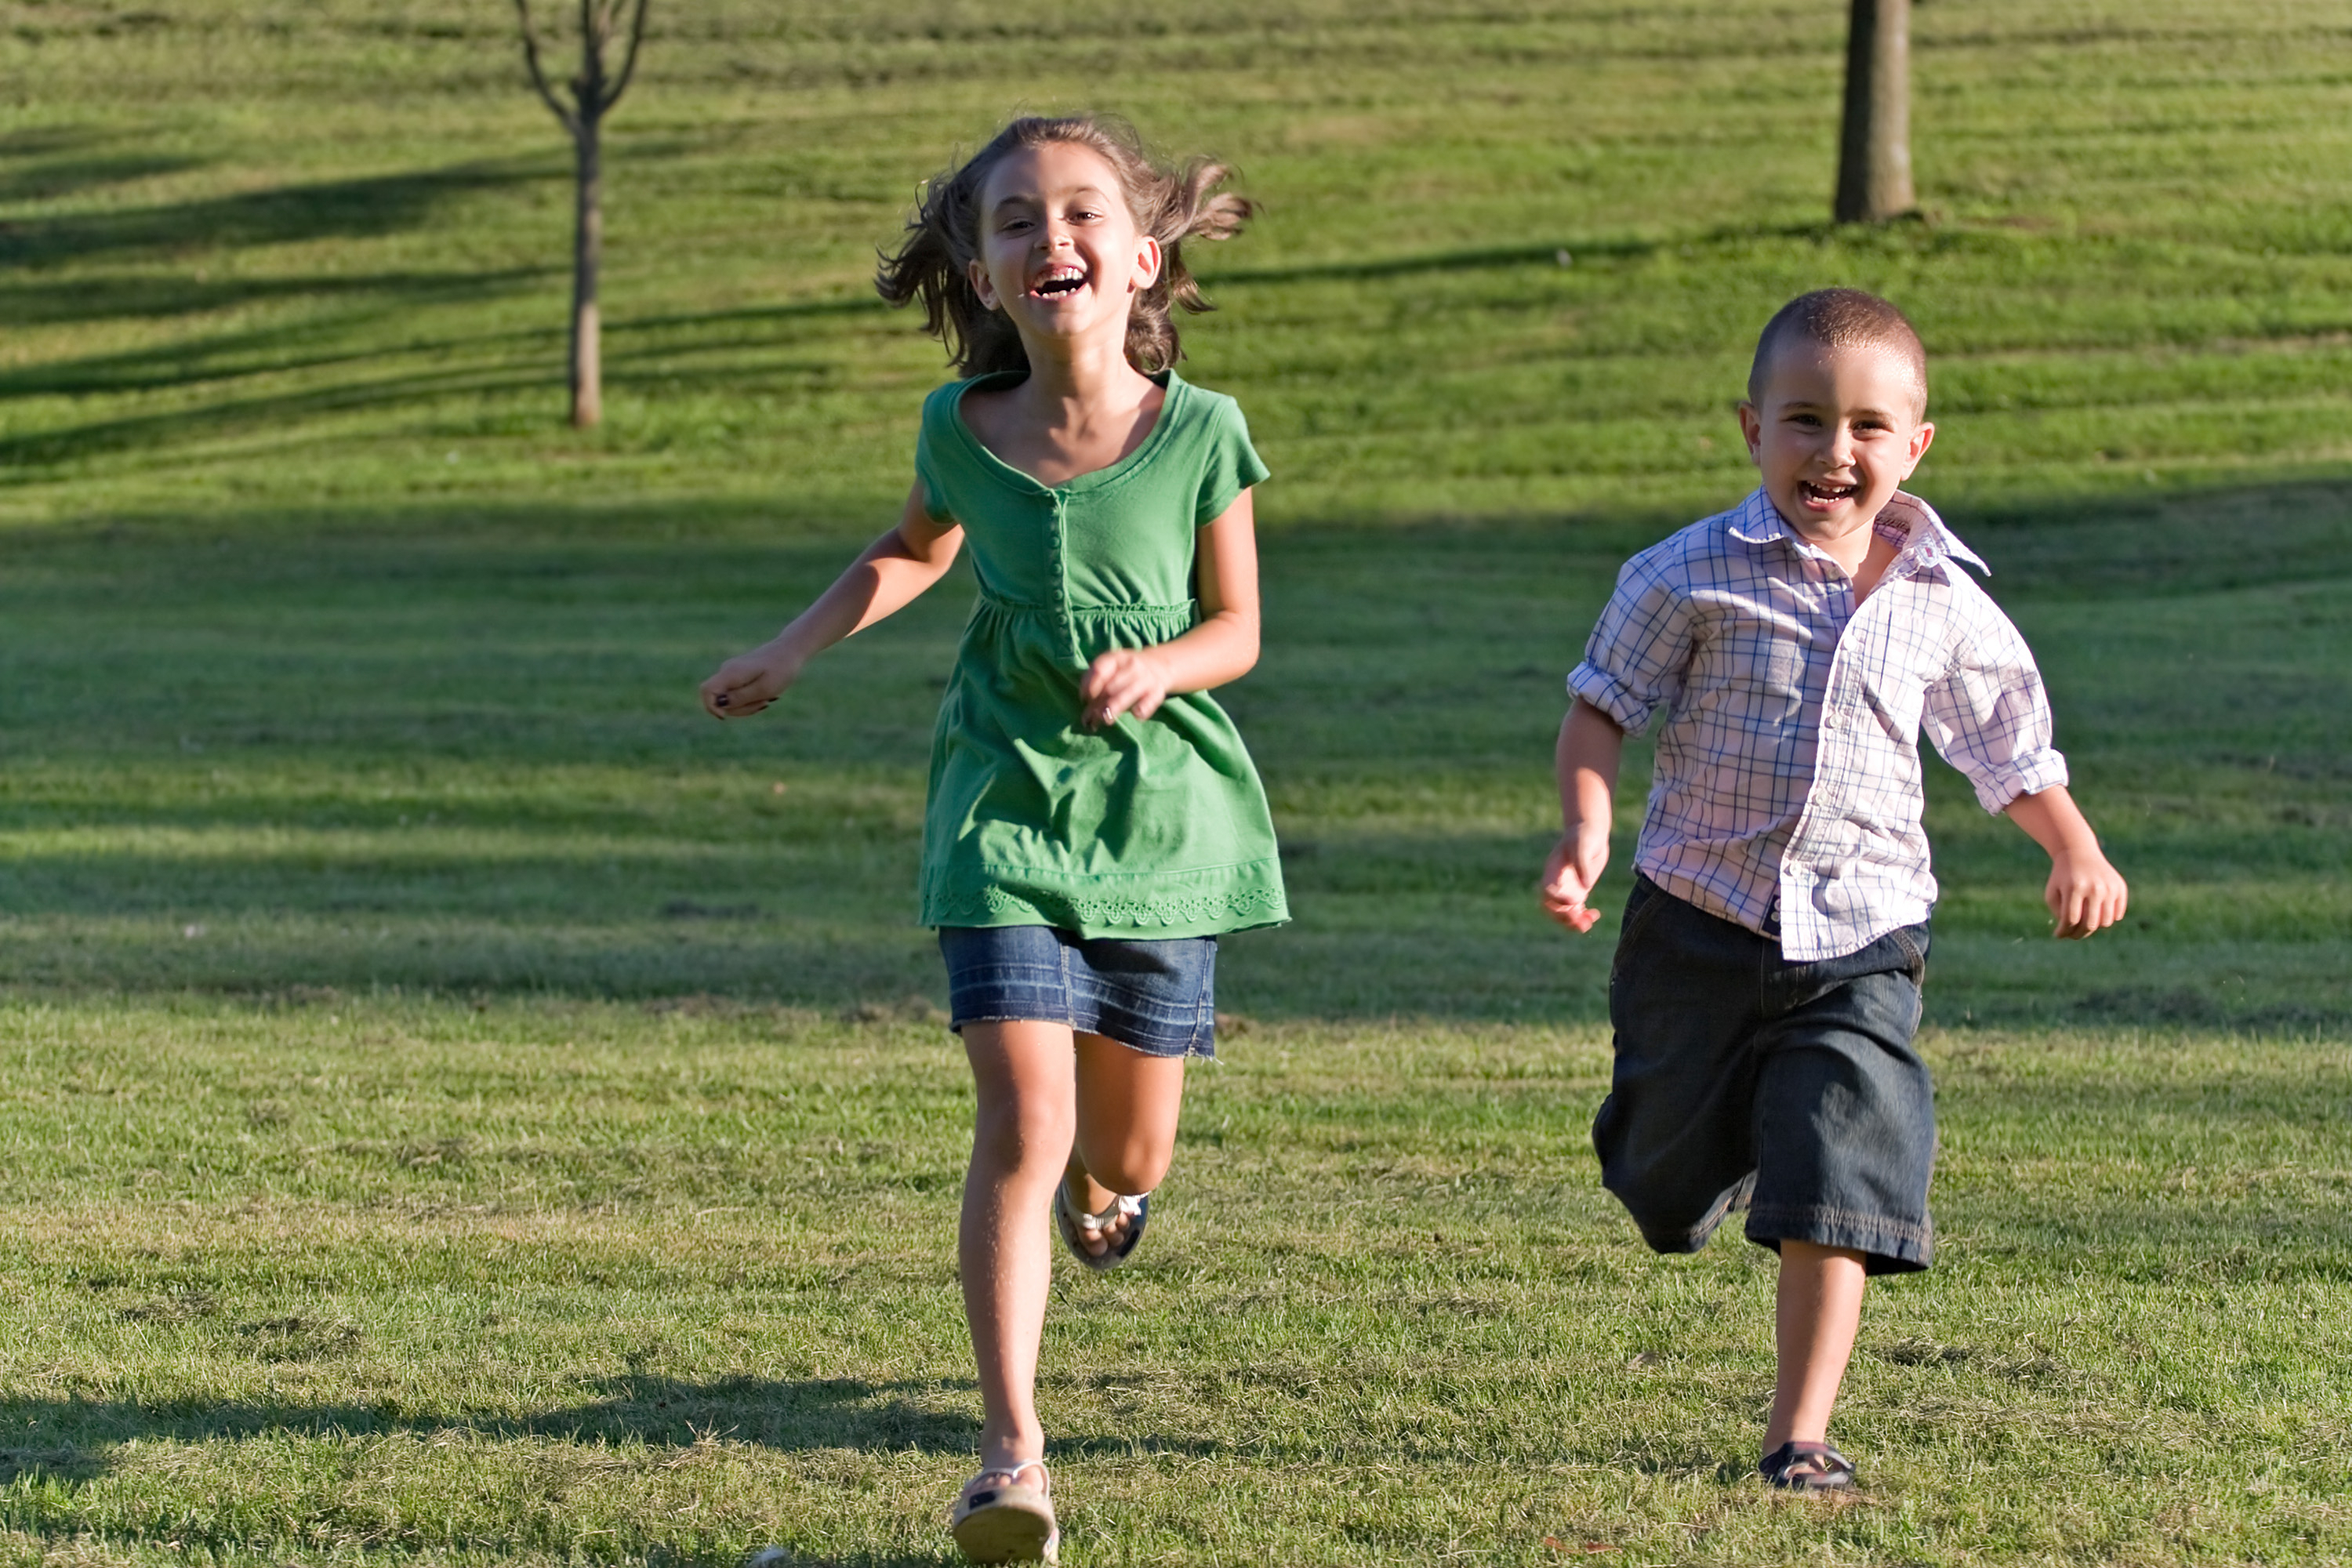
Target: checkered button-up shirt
{"x": 1788, "y": 763}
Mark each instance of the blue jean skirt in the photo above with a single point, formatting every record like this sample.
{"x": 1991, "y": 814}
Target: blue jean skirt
{"x": 1157, "y": 997}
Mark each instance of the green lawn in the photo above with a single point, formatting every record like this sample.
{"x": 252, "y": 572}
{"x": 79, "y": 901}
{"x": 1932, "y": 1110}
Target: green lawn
{"x": 465, "y": 1106}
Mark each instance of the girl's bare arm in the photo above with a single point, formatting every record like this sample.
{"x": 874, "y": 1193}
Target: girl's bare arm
{"x": 891, "y": 574}
{"x": 1222, "y": 648}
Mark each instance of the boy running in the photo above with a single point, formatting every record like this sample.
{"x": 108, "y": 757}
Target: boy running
{"x": 1766, "y": 987}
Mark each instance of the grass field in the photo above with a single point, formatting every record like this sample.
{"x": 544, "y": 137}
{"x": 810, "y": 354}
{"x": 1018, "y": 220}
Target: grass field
{"x": 463, "y": 1106}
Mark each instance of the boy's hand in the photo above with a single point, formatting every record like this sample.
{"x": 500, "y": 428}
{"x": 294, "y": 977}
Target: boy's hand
{"x": 2085, "y": 894}
{"x": 1574, "y": 866}
{"x": 1124, "y": 680}
{"x": 750, "y": 682}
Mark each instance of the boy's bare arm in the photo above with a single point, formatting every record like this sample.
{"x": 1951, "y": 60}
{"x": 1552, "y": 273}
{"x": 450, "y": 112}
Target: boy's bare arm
{"x": 2086, "y": 893}
{"x": 1591, "y": 745}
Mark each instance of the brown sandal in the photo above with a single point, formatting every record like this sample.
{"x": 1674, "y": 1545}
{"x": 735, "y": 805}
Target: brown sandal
{"x": 1000, "y": 1518}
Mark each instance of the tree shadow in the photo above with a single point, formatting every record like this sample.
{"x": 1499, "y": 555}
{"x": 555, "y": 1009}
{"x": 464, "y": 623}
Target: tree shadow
{"x": 491, "y": 363}
{"x": 71, "y": 1440}
{"x": 47, "y": 141}
{"x": 71, "y": 1443}
{"x": 1560, "y": 252}
{"x": 152, "y": 298}
{"x": 790, "y": 1416}
{"x": 59, "y": 177}
{"x": 362, "y": 208}
{"x": 29, "y": 453}
{"x": 1472, "y": 259}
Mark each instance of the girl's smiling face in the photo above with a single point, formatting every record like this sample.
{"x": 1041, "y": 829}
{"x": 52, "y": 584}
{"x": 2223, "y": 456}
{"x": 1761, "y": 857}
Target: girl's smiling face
{"x": 1060, "y": 253}
{"x": 1836, "y": 432}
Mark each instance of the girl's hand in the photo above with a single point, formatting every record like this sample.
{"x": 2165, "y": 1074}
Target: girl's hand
{"x": 1574, "y": 866}
{"x": 750, "y": 682}
{"x": 1124, "y": 680}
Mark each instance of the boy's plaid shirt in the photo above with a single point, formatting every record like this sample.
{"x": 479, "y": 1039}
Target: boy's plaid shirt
{"x": 1788, "y": 761}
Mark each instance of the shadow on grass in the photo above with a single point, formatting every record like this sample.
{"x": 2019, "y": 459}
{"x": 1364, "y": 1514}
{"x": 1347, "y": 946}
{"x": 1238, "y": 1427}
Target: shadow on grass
{"x": 1910, "y": 233}
{"x": 824, "y": 1412}
{"x": 160, "y": 367}
{"x": 149, "y": 432}
{"x": 231, "y": 355}
{"x": 69, "y": 1440}
{"x": 1477, "y": 260}
{"x": 363, "y": 208}
{"x": 59, "y": 177}
{"x": 648, "y": 352}
{"x": 253, "y": 813}
{"x": 61, "y": 1447}
{"x": 2186, "y": 1006}
{"x": 50, "y": 141}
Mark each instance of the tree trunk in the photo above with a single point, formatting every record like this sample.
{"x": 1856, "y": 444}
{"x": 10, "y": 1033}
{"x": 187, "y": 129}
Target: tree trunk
{"x": 1874, "y": 153}
{"x": 587, "y": 255}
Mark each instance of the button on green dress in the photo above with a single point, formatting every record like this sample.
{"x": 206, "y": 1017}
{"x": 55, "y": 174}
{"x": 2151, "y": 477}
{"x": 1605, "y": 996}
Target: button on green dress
{"x": 1152, "y": 828}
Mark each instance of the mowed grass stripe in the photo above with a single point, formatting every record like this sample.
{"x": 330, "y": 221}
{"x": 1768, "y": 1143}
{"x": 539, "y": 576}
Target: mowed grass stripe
{"x": 2153, "y": 183}
{"x": 566, "y": 1172}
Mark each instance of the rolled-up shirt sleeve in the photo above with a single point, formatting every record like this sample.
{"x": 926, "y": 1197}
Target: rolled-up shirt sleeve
{"x": 1990, "y": 717}
{"x": 1634, "y": 662}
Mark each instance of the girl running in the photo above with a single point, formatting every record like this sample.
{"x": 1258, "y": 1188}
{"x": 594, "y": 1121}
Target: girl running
{"x": 1095, "y": 823}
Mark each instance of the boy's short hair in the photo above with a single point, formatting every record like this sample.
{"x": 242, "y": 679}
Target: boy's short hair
{"x": 1840, "y": 318}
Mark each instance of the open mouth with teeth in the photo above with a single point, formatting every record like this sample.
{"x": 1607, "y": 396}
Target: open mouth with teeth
{"x": 1825, "y": 495}
{"x": 1060, "y": 282}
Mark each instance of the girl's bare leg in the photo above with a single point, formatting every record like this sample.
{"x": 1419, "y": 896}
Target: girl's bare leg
{"x": 1814, "y": 1321}
{"x": 1128, "y": 1104}
{"x": 1025, "y": 1077}
{"x": 1050, "y": 1109}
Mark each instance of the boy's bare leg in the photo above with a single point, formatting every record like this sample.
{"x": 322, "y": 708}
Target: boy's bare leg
{"x": 1127, "y": 1107}
{"x": 1819, "y": 1310}
{"x": 1027, "y": 1116}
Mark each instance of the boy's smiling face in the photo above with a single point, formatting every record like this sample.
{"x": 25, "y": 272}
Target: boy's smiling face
{"x": 1836, "y": 432}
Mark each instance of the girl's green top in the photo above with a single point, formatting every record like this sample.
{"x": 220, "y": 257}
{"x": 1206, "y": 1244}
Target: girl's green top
{"x": 1154, "y": 827}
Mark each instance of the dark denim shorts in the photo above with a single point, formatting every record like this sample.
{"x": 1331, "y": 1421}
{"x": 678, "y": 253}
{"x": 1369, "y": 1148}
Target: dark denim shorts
{"x": 1157, "y": 997}
{"x": 1790, "y": 1088}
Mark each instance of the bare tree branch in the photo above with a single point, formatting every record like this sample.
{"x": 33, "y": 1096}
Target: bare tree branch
{"x": 587, "y": 87}
{"x": 570, "y": 120}
{"x": 629, "y": 61}
{"x": 594, "y": 91}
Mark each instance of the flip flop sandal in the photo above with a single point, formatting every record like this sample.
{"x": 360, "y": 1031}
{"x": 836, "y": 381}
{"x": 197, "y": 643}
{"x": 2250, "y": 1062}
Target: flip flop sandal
{"x": 999, "y": 1517}
{"x": 1806, "y": 1468}
{"x": 1076, "y": 1227}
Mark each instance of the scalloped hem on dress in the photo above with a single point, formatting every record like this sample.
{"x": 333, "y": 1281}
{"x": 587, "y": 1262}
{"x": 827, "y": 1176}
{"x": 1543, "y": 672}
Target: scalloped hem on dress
{"x": 1252, "y": 898}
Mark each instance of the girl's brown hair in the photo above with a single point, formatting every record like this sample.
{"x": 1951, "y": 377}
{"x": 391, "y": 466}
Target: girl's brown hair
{"x": 933, "y": 263}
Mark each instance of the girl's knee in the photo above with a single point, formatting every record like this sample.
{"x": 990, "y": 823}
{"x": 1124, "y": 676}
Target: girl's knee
{"x": 1023, "y": 1134}
{"x": 1128, "y": 1164}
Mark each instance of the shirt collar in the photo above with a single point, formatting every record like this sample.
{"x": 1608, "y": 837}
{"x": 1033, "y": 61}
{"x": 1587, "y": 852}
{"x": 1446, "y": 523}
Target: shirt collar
{"x": 1756, "y": 520}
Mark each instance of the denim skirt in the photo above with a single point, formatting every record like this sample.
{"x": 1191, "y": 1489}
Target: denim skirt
{"x": 1157, "y": 997}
